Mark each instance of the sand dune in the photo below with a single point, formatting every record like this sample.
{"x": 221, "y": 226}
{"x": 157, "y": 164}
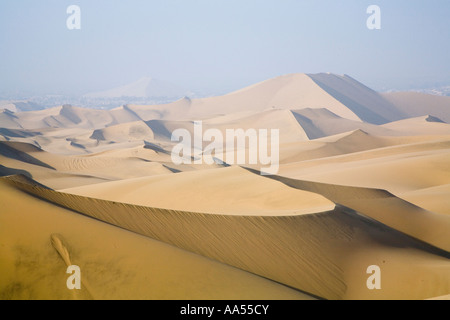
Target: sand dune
{"x": 321, "y": 104}
{"x": 425, "y": 125}
{"x": 416, "y": 104}
{"x": 9, "y": 120}
{"x": 342, "y": 95}
{"x": 123, "y": 114}
{"x": 350, "y": 142}
{"x": 369, "y": 105}
{"x": 68, "y": 116}
{"x": 237, "y": 191}
{"x": 434, "y": 199}
{"x": 124, "y": 132}
{"x": 115, "y": 264}
{"x": 36, "y": 119}
{"x": 364, "y": 180}
{"x": 319, "y": 123}
{"x": 398, "y": 168}
{"x": 7, "y": 106}
{"x": 22, "y": 152}
{"x": 283, "y": 120}
{"x": 285, "y": 249}
{"x": 354, "y": 146}
{"x": 384, "y": 207}
{"x": 293, "y": 91}
{"x": 59, "y": 171}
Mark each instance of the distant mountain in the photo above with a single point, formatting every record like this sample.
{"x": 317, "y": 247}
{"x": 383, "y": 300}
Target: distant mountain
{"x": 143, "y": 88}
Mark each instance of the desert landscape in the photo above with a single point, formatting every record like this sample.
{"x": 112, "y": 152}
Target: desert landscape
{"x": 363, "y": 179}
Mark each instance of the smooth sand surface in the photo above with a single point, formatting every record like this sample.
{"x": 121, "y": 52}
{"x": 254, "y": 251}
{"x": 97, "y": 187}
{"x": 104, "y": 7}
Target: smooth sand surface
{"x": 115, "y": 263}
{"x": 231, "y": 190}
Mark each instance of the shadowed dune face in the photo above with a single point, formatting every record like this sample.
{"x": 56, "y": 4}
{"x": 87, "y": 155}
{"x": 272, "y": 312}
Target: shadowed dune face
{"x": 20, "y": 152}
{"x": 363, "y": 180}
{"x": 364, "y": 102}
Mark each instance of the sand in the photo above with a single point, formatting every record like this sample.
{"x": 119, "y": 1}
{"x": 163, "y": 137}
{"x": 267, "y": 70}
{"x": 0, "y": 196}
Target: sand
{"x": 308, "y": 252}
{"x": 363, "y": 180}
{"x": 115, "y": 264}
{"x": 416, "y": 104}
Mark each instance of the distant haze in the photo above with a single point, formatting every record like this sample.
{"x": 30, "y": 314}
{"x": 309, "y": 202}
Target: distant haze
{"x": 143, "y": 88}
{"x": 219, "y": 46}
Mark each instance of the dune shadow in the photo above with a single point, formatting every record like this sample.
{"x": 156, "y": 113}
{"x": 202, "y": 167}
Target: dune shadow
{"x": 5, "y": 171}
{"x": 361, "y": 111}
{"x": 8, "y": 151}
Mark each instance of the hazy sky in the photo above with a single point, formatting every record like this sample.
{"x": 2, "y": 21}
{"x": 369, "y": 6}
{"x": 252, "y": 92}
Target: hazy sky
{"x": 220, "y": 44}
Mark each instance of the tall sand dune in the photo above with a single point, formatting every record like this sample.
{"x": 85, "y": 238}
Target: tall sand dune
{"x": 39, "y": 240}
{"x": 325, "y": 254}
{"x": 342, "y": 95}
{"x": 369, "y": 105}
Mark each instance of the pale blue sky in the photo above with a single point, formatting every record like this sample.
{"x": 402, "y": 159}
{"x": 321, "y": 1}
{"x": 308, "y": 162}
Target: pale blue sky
{"x": 220, "y": 45}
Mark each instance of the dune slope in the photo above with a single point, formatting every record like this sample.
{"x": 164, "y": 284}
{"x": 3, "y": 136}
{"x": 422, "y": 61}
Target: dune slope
{"x": 384, "y": 207}
{"x": 39, "y": 239}
{"x": 316, "y": 253}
